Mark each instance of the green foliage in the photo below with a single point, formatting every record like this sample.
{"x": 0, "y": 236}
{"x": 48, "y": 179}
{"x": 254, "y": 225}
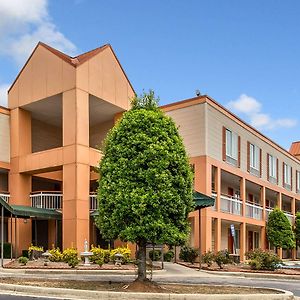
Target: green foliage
{"x": 222, "y": 258}
{"x": 279, "y": 230}
{"x": 56, "y": 255}
{"x": 100, "y": 261}
{"x": 145, "y": 186}
{"x": 188, "y": 254}
{"x": 73, "y": 261}
{"x": 263, "y": 260}
{"x": 23, "y": 260}
{"x": 168, "y": 256}
{"x": 25, "y": 253}
{"x": 125, "y": 251}
{"x": 70, "y": 255}
{"x": 208, "y": 258}
{"x": 297, "y": 228}
{"x": 155, "y": 255}
{"x": 34, "y": 248}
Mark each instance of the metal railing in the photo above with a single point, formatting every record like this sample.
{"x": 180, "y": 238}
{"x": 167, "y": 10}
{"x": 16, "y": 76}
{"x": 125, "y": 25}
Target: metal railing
{"x": 48, "y": 200}
{"x": 214, "y": 195}
{"x": 290, "y": 217}
{"x": 5, "y": 196}
{"x": 231, "y": 204}
{"x": 93, "y": 201}
{"x": 254, "y": 211}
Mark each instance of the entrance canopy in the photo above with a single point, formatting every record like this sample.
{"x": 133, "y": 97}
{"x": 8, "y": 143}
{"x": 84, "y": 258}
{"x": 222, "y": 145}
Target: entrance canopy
{"x": 25, "y": 212}
{"x": 202, "y": 200}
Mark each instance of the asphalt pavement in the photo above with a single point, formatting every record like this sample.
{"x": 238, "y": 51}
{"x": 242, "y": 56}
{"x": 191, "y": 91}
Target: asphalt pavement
{"x": 172, "y": 273}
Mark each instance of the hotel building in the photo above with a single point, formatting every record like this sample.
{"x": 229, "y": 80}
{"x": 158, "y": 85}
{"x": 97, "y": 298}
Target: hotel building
{"x": 59, "y": 110}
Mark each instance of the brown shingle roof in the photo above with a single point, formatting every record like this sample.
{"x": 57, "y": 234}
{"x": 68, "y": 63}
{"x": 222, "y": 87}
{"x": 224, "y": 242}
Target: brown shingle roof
{"x": 75, "y": 60}
{"x": 295, "y": 148}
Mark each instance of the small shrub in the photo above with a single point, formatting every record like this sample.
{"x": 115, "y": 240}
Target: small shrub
{"x": 100, "y": 261}
{"x": 125, "y": 251}
{"x": 155, "y": 255}
{"x": 100, "y": 254}
{"x": 23, "y": 260}
{"x": 188, "y": 254}
{"x": 73, "y": 262}
{"x": 208, "y": 258}
{"x": 222, "y": 258}
{"x": 70, "y": 254}
{"x": 56, "y": 255}
{"x": 35, "y": 252}
{"x": 263, "y": 259}
{"x": 168, "y": 256}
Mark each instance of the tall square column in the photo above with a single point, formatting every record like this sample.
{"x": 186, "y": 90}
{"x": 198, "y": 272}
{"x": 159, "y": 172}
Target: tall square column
{"x": 76, "y": 169}
{"x": 19, "y": 183}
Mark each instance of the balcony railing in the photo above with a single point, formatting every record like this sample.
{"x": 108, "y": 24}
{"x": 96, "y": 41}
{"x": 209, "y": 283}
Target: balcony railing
{"x": 214, "y": 195}
{"x": 5, "y": 196}
{"x": 268, "y": 210}
{"x": 290, "y": 217}
{"x": 253, "y": 211}
{"x": 232, "y": 205}
{"x": 93, "y": 201}
{"x": 53, "y": 200}
{"x": 48, "y": 200}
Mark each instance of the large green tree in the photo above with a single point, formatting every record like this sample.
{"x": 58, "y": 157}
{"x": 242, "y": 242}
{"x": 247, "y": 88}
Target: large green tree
{"x": 145, "y": 185}
{"x": 279, "y": 230}
{"x": 297, "y": 229}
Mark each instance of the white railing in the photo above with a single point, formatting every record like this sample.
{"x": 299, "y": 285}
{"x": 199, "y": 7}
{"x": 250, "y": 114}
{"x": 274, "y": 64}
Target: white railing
{"x": 214, "y": 195}
{"x": 93, "y": 201}
{"x": 5, "y": 196}
{"x": 268, "y": 210}
{"x": 254, "y": 211}
{"x": 48, "y": 200}
{"x": 232, "y": 205}
{"x": 290, "y": 217}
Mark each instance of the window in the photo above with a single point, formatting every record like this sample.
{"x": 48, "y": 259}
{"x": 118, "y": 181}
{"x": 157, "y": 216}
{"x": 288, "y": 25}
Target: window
{"x": 254, "y": 157}
{"x": 272, "y": 168}
{"x": 231, "y": 145}
{"x": 298, "y": 181}
{"x": 287, "y": 175}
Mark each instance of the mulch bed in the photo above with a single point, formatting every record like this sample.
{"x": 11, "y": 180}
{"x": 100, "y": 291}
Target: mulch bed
{"x": 241, "y": 268}
{"x": 136, "y": 286}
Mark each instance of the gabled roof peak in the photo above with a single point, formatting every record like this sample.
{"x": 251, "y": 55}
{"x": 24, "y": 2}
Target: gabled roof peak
{"x": 75, "y": 60}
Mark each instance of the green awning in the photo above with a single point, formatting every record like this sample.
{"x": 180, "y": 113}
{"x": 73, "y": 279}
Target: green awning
{"x": 21, "y": 211}
{"x": 202, "y": 200}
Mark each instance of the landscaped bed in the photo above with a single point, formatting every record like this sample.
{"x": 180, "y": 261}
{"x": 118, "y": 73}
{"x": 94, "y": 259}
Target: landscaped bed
{"x": 138, "y": 287}
{"x": 39, "y": 264}
{"x": 241, "y": 268}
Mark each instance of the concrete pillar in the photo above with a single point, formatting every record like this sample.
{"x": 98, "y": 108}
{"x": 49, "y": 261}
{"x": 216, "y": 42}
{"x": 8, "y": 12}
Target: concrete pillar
{"x": 20, "y": 184}
{"x": 243, "y": 247}
{"x": 243, "y": 195}
{"x": 218, "y": 234}
{"x": 263, "y": 237}
{"x": 293, "y": 206}
{"x": 279, "y": 200}
{"x": 218, "y": 188}
{"x": 263, "y": 202}
{"x": 76, "y": 169}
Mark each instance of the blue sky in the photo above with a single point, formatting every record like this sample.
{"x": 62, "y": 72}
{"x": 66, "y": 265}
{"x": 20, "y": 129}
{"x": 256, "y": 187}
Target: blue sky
{"x": 244, "y": 54}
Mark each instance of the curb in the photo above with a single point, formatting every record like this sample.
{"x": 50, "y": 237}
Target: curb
{"x": 107, "y": 295}
{"x": 254, "y": 275}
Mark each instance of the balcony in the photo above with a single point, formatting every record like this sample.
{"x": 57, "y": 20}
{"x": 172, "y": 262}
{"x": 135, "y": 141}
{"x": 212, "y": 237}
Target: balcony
{"x": 254, "y": 211}
{"x": 5, "y": 196}
{"x": 214, "y": 195}
{"x": 53, "y": 200}
{"x": 47, "y": 200}
{"x": 288, "y": 214}
{"x": 231, "y": 204}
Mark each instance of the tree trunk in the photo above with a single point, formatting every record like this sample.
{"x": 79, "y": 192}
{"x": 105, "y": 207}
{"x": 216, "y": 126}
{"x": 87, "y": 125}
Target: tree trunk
{"x": 142, "y": 261}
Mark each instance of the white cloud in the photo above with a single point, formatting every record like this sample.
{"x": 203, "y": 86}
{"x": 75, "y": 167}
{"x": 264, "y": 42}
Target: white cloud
{"x": 3, "y": 94}
{"x": 23, "y": 24}
{"x": 252, "y": 108}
